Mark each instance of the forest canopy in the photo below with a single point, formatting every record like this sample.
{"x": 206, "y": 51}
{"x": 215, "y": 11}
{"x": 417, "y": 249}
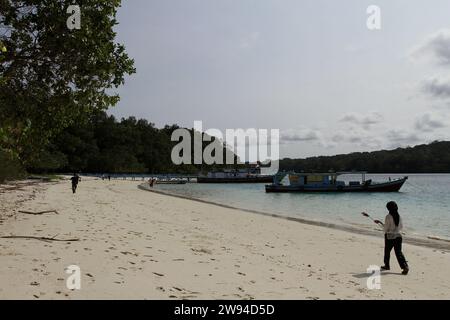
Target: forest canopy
{"x": 102, "y": 144}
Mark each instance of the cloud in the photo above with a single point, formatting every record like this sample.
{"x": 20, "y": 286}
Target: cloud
{"x": 351, "y": 48}
{"x": 299, "y": 135}
{"x": 442, "y": 105}
{"x": 437, "y": 87}
{"x": 401, "y": 138}
{"x": 361, "y": 133}
{"x": 362, "y": 120}
{"x": 361, "y": 138}
{"x": 435, "y": 48}
{"x": 250, "y": 40}
{"x": 429, "y": 122}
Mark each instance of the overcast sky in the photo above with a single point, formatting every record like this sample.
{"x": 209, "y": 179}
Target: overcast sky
{"x": 309, "y": 68}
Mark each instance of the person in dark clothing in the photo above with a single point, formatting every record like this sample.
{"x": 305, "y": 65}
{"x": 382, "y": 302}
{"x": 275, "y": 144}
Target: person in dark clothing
{"x": 393, "y": 238}
{"x": 75, "y": 179}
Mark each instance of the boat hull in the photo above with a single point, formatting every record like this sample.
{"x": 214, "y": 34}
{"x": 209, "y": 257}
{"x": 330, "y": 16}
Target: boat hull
{"x": 258, "y": 179}
{"x": 391, "y": 186}
{"x": 171, "y": 182}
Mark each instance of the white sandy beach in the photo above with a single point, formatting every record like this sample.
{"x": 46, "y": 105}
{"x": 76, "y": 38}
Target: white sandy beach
{"x": 136, "y": 244}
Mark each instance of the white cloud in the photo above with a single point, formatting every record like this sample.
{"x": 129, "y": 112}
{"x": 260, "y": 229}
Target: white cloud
{"x": 437, "y": 87}
{"x": 355, "y": 136}
{"x": 299, "y": 135}
{"x": 429, "y": 122}
{"x": 401, "y": 138}
{"x": 363, "y": 120}
{"x": 250, "y": 40}
{"x": 434, "y": 48}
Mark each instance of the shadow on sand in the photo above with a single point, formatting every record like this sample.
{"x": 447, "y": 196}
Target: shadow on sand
{"x": 367, "y": 275}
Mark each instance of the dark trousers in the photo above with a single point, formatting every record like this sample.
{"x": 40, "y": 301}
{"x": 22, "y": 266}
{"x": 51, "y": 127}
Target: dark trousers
{"x": 74, "y": 187}
{"x": 397, "y": 245}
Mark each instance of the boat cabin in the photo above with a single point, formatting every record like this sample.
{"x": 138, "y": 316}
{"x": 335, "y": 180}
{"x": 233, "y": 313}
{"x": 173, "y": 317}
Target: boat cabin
{"x": 235, "y": 173}
{"x": 319, "y": 179}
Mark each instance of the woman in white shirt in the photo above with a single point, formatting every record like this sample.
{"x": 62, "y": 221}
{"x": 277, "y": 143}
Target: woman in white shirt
{"x": 393, "y": 238}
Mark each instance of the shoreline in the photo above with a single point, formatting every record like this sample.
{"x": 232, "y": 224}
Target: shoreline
{"x": 440, "y": 244}
{"x": 145, "y": 245}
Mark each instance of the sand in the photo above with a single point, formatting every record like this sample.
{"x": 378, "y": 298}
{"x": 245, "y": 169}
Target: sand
{"x": 135, "y": 244}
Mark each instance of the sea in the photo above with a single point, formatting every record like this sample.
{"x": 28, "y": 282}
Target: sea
{"x": 424, "y": 202}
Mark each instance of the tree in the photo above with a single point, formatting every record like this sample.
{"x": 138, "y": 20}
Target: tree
{"x": 51, "y": 76}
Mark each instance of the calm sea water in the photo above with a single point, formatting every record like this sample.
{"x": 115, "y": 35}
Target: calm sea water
{"x": 424, "y": 202}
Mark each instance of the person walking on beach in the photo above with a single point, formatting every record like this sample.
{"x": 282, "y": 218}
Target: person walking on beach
{"x": 393, "y": 238}
{"x": 75, "y": 179}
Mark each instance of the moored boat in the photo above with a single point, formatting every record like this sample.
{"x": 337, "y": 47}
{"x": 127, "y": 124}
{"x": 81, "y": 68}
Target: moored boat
{"x": 174, "y": 181}
{"x": 246, "y": 179}
{"x": 250, "y": 175}
{"x": 327, "y": 182}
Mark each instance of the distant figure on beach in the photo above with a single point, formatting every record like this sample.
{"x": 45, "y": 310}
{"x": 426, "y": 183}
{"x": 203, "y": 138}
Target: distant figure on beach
{"x": 109, "y": 177}
{"x": 75, "y": 179}
{"x": 151, "y": 182}
{"x": 393, "y": 238}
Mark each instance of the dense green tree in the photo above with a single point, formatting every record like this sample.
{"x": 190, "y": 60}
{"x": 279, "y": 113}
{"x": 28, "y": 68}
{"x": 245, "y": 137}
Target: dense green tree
{"x": 103, "y": 144}
{"x": 51, "y": 75}
{"x": 10, "y": 167}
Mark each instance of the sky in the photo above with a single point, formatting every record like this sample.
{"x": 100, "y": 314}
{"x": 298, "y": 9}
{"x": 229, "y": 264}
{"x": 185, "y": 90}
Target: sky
{"x": 311, "y": 69}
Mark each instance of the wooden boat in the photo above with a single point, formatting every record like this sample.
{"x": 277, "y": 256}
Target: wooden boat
{"x": 248, "y": 179}
{"x": 235, "y": 176}
{"x": 327, "y": 182}
{"x": 171, "y": 181}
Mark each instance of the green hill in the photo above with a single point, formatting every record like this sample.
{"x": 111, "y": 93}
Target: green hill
{"x": 426, "y": 158}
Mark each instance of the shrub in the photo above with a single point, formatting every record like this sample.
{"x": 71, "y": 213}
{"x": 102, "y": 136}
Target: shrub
{"x": 10, "y": 167}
